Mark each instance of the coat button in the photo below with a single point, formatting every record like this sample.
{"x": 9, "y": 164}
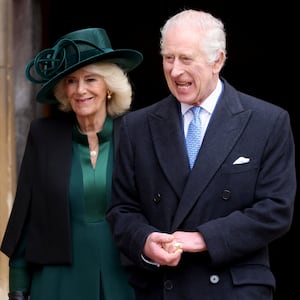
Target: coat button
{"x": 168, "y": 285}
{"x": 226, "y": 195}
{"x": 156, "y": 198}
{"x": 214, "y": 279}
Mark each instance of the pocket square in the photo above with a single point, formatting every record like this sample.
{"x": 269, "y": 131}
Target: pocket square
{"x": 241, "y": 160}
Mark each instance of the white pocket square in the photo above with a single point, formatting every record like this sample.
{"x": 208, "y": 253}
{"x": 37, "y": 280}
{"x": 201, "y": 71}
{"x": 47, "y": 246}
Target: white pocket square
{"x": 241, "y": 160}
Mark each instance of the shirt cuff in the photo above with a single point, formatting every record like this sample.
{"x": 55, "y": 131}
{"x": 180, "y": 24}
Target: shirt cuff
{"x": 149, "y": 261}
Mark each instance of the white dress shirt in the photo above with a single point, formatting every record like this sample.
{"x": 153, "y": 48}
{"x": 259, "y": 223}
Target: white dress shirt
{"x": 208, "y": 106}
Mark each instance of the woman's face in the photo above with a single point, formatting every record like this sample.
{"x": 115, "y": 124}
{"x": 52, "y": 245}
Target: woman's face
{"x": 86, "y": 92}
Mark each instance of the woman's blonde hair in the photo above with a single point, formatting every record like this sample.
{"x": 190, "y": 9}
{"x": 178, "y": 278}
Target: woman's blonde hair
{"x": 117, "y": 83}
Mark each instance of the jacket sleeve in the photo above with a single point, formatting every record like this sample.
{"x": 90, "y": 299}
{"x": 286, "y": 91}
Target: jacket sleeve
{"x": 21, "y": 203}
{"x": 19, "y": 270}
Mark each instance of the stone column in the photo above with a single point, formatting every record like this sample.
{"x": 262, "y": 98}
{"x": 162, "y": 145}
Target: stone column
{"x": 7, "y": 131}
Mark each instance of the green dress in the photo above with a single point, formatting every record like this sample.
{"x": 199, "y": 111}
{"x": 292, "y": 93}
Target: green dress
{"x": 96, "y": 272}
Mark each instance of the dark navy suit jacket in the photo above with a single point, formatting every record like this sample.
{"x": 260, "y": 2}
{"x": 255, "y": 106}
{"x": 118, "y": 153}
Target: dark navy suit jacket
{"x": 239, "y": 208}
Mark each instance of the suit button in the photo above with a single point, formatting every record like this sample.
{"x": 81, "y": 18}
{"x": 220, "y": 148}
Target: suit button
{"x": 156, "y": 198}
{"x": 214, "y": 279}
{"x": 226, "y": 195}
{"x": 168, "y": 285}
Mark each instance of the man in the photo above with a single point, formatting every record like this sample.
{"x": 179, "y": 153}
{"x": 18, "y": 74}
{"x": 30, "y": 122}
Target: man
{"x": 202, "y": 230}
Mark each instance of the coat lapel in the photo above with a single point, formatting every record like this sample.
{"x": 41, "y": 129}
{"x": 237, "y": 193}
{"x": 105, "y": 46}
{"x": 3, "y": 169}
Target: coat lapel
{"x": 168, "y": 140}
{"x": 225, "y": 127}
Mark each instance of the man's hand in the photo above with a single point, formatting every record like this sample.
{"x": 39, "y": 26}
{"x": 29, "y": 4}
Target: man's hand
{"x": 163, "y": 249}
{"x": 190, "y": 241}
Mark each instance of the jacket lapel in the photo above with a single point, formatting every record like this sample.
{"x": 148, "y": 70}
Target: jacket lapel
{"x": 225, "y": 127}
{"x": 168, "y": 140}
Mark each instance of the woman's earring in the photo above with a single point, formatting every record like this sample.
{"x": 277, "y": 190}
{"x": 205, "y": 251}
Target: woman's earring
{"x": 108, "y": 94}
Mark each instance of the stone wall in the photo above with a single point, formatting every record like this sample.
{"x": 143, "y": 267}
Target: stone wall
{"x": 19, "y": 38}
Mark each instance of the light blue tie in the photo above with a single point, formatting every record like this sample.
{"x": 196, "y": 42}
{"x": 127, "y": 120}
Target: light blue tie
{"x": 193, "y": 137}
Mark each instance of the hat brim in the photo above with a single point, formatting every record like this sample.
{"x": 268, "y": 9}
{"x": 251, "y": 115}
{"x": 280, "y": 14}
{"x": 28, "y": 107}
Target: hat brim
{"x": 127, "y": 59}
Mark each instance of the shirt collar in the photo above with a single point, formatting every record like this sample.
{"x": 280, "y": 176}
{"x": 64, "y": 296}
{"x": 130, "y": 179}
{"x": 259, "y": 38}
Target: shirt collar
{"x": 104, "y": 135}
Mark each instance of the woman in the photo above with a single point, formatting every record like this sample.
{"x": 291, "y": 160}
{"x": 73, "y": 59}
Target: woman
{"x": 57, "y": 239}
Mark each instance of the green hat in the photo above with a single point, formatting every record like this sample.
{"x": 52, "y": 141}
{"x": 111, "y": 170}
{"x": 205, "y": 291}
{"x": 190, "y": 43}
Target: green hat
{"x": 73, "y": 51}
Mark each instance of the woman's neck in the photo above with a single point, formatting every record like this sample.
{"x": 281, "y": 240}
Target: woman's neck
{"x": 91, "y": 125}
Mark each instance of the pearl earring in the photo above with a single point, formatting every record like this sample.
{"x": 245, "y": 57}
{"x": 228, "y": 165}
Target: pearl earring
{"x": 108, "y": 95}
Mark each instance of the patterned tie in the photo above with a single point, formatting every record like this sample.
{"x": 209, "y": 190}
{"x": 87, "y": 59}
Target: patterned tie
{"x": 193, "y": 137}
